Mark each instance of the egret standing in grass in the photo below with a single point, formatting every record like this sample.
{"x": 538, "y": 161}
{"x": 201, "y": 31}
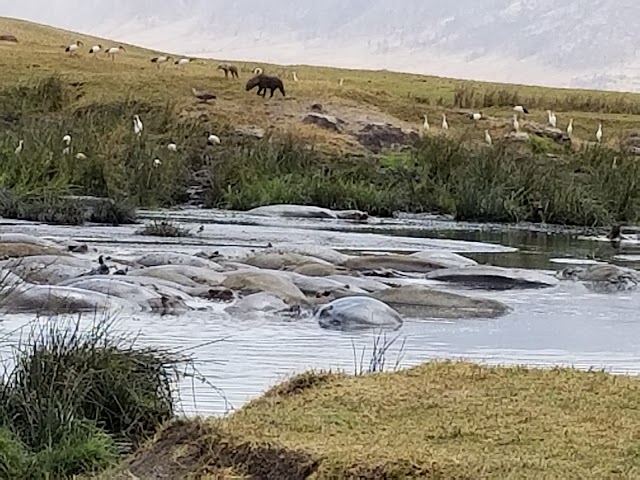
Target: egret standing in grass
{"x": 137, "y": 125}
{"x": 295, "y": 77}
{"x": 341, "y": 82}
{"x": 487, "y": 137}
{"x": 570, "y": 128}
{"x": 172, "y": 147}
{"x": 80, "y": 156}
{"x": 425, "y": 124}
{"x": 445, "y": 124}
{"x": 157, "y": 162}
{"x": 599, "y": 133}
{"x": 74, "y": 47}
{"x": 551, "y": 118}
{"x": 67, "y": 141}
{"x": 516, "y": 123}
{"x": 20, "y": 147}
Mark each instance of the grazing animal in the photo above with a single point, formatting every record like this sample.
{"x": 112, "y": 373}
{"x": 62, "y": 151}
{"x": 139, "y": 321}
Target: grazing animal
{"x": 8, "y": 38}
{"x": 183, "y": 61}
{"x": 227, "y": 68}
{"x": 599, "y": 133}
{"x": 95, "y": 49}
{"x": 74, "y": 47}
{"x": 570, "y": 128}
{"x": 520, "y": 109}
{"x": 202, "y": 95}
{"x": 113, "y": 51}
{"x": 160, "y": 60}
{"x": 487, "y": 137}
{"x": 264, "y": 83}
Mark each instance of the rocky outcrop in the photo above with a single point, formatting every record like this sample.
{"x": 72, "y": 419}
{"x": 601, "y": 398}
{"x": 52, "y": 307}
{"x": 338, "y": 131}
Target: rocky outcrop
{"x": 382, "y": 136}
{"x": 251, "y": 132}
{"x": 328, "y": 122}
{"x": 546, "y": 131}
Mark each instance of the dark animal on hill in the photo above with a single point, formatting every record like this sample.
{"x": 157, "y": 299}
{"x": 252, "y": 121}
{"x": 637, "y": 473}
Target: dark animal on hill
{"x": 8, "y": 38}
{"x": 264, "y": 83}
{"x": 227, "y": 68}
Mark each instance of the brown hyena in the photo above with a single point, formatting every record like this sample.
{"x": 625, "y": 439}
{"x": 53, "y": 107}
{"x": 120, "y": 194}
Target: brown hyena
{"x": 264, "y": 83}
{"x": 229, "y": 69}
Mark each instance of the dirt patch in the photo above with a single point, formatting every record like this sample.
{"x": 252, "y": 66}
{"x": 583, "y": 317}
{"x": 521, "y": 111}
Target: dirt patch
{"x": 195, "y": 449}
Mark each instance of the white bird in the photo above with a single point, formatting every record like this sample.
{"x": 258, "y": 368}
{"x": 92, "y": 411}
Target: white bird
{"x": 425, "y": 124}
{"x": 213, "y": 139}
{"x": 157, "y": 162}
{"x": 599, "y": 133}
{"x": 172, "y": 147}
{"x": 487, "y": 137}
{"x": 74, "y": 47}
{"x": 553, "y": 121}
{"x": 570, "y": 128}
{"x": 520, "y": 109}
{"x": 137, "y": 125}
{"x": 445, "y": 124}
{"x": 516, "y": 123}
{"x": 113, "y": 51}
{"x": 342, "y": 82}
{"x": 95, "y": 49}
{"x": 258, "y": 71}
{"x": 183, "y": 61}
{"x": 160, "y": 60}
{"x": 295, "y": 77}
{"x": 20, "y": 147}
{"x": 476, "y": 116}
{"x": 67, "y": 139}
{"x": 66, "y": 151}
{"x": 81, "y": 156}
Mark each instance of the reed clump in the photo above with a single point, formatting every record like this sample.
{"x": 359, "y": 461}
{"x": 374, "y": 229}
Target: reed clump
{"x": 74, "y": 400}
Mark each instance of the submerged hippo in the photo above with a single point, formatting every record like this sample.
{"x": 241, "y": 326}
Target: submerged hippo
{"x": 163, "y": 258}
{"x": 494, "y": 278}
{"x": 304, "y": 211}
{"x": 354, "y": 313}
{"x": 258, "y": 302}
{"x": 602, "y": 278}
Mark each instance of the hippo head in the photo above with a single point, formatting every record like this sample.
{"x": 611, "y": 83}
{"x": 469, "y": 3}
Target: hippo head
{"x": 327, "y": 318}
{"x": 253, "y": 83}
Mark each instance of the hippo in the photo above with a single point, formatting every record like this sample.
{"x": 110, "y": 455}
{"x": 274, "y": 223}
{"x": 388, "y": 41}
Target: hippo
{"x": 307, "y": 211}
{"x": 255, "y": 281}
{"x": 54, "y": 300}
{"x": 282, "y": 261}
{"x": 445, "y": 259}
{"x": 258, "y": 302}
{"x": 400, "y": 263}
{"x": 602, "y": 278}
{"x": 158, "y": 259}
{"x": 494, "y": 278}
{"x": 47, "y": 269}
{"x": 356, "y": 313}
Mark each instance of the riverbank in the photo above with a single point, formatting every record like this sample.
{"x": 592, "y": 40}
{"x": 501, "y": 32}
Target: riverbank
{"x": 439, "y": 420}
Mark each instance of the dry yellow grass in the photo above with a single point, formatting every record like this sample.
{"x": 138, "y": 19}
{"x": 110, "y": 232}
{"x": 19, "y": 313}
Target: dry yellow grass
{"x": 379, "y": 95}
{"x": 439, "y": 420}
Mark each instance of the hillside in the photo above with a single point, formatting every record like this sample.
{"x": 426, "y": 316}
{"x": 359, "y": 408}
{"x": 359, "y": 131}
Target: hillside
{"x": 588, "y": 43}
{"x": 367, "y": 96}
{"x": 537, "y": 174}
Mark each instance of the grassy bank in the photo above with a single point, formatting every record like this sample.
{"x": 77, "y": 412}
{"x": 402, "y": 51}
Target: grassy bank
{"x": 73, "y": 402}
{"x": 440, "y": 420}
{"x": 48, "y": 94}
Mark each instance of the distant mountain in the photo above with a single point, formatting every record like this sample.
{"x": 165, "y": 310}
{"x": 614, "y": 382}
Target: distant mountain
{"x": 574, "y": 43}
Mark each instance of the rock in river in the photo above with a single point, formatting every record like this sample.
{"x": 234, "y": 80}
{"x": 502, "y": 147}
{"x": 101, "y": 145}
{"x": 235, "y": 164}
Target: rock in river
{"x": 494, "y": 278}
{"x": 354, "y": 313}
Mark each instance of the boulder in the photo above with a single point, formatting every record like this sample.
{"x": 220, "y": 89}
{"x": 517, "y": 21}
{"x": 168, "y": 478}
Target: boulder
{"x": 380, "y": 136}
{"x": 328, "y": 122}
{"x": 546, "y": 131}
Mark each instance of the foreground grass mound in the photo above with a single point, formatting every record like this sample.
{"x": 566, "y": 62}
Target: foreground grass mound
{"x": 440, "y": 420}
{"x": 75, "y": 400}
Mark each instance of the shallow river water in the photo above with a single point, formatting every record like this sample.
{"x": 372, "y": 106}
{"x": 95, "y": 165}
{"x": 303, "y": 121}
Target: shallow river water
{"x": 565, "y": 325}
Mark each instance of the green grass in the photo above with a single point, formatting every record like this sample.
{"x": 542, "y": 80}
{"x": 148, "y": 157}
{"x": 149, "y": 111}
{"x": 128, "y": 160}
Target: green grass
{"x": 47, "y": 94}
{"x": 439, "y": 420}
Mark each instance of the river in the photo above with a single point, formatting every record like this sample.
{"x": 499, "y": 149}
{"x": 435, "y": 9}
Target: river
{"x": 566, "y": 325}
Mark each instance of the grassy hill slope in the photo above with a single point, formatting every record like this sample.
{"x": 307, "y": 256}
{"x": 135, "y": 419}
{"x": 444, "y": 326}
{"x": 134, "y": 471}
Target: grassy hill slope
{"x": 46, "y": 94}
{"x": 380, "y": 95}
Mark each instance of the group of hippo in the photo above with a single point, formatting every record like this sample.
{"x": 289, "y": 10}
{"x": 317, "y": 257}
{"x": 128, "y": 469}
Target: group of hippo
{"x": 338, "y": 291}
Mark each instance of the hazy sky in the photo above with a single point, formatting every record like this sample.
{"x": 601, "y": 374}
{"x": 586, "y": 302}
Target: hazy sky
{"x": 568, "y": 43}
